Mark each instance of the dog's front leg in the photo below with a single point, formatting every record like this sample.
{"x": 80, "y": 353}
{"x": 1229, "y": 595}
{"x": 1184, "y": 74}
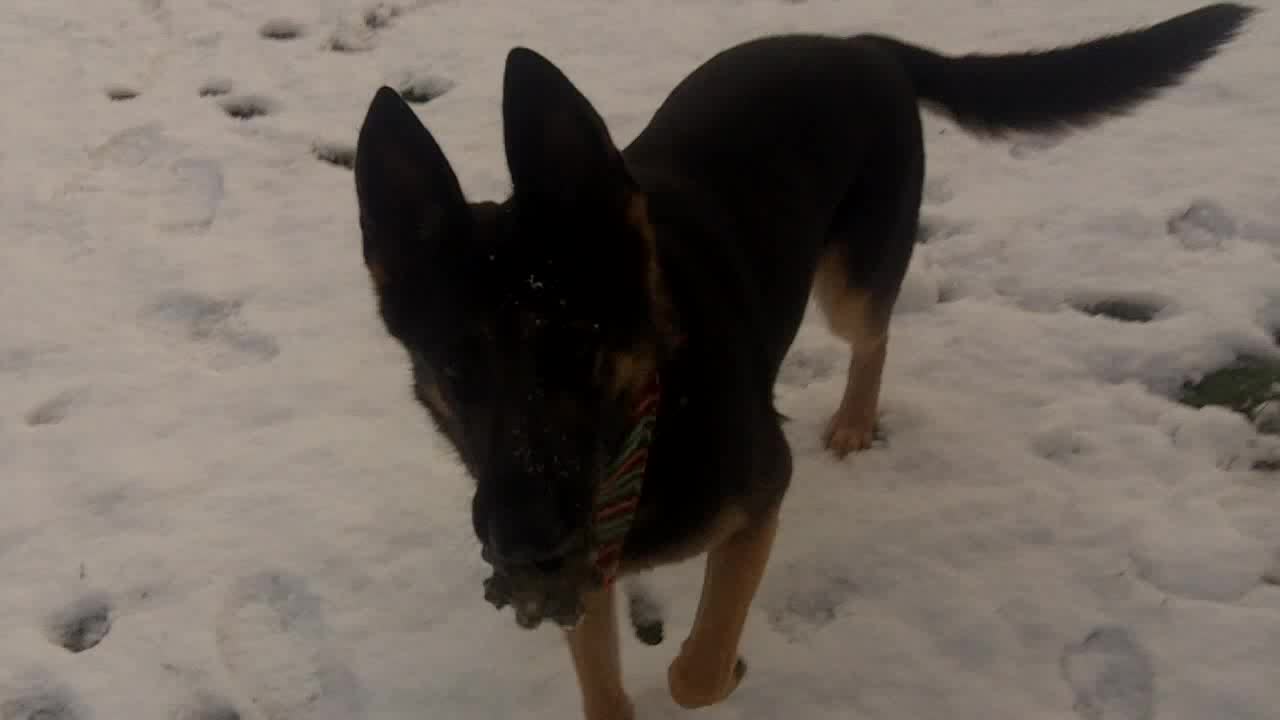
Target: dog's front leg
{"x": 708, "y": 668}
{"x": 597, "y": 660}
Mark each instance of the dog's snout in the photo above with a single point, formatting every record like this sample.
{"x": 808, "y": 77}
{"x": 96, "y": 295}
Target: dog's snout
{"x": 530, "y": 535}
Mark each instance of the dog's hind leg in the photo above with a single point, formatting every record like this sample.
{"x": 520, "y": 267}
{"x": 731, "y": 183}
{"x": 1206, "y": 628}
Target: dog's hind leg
{"x": 861, "y": 271}
{"x": 855, "y": 316}
{"x": 597, "y": 660}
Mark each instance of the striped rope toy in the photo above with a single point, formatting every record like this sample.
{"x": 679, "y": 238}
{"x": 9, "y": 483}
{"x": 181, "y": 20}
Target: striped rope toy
{"x": 619, "y": 494}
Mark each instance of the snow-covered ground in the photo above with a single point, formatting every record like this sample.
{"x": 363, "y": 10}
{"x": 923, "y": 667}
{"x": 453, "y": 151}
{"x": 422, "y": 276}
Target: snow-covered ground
{"x": 217, "y": 489}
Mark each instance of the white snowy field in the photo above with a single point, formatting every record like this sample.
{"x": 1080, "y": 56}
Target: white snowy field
{"x": 217, "y": 488}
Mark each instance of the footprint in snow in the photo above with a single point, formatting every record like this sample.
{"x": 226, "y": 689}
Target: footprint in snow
{"x": 55, "y": 409}
{"x": 121, "y": 93}
{"x": 135, "y": 147}
{"x": 193, "y": 197}
{"x": 357, "y": 33}
{"x": 1110, "y": 675}
{"x": 1204, "y": 224}
{"x": 814, "y": 598}
{"x": 181, "y": 192}
{"x": 247, "y": 107}
{"x": 215, "y": 87}
{"x": 37, "y": 694}
{"x": 380, "y": 15}
{"x": 82, "y": 625}
{"x": 211, "y": 323}
{"x": 45, "y": 704}
{"x": 281, "y": 29}
{"x": 351, "y": 37}
{"x": 1131, "y": 310}
{"x": 272, "y": 638}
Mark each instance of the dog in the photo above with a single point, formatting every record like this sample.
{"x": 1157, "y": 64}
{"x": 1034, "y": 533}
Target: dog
{"x": 658, "y": 287}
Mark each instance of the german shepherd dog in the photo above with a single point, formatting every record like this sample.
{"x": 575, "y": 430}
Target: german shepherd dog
{"x": 678, "y": 269}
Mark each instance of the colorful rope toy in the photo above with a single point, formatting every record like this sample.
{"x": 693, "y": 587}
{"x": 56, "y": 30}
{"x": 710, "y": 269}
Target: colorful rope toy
{"x": 617, "y": 498}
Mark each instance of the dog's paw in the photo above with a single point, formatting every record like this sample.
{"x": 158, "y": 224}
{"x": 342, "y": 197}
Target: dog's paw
{"x": 845, "y": 435}
{"x": 695, "y": 685}
{"x": 616, "y": 708}
{"x": 645, "y": 612}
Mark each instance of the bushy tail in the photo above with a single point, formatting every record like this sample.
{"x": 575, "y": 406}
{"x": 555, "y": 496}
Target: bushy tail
{"x": 1074, "y": 86}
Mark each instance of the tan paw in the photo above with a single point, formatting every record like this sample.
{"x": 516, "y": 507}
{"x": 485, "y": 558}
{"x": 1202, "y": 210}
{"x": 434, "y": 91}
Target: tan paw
{"x": 617, "y": 708}
{"x": 844, "y": 436}
{"x": 693, "y": 686}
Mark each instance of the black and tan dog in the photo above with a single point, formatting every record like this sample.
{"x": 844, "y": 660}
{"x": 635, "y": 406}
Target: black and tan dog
{"x": 663, "y": 284}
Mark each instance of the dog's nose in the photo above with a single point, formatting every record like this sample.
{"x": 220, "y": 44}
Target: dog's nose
{"x": 526, "y": 541}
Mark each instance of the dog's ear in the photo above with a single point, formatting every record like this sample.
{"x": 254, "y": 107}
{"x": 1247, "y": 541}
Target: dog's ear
{"x": 411, "y": 206}
{"x": 558, "y": 148}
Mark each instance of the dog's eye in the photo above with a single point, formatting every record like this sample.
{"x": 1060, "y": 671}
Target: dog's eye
{"x": 569, "y": 361}
{"x": 451, "y": 381}
{"x": 451, "y": 375}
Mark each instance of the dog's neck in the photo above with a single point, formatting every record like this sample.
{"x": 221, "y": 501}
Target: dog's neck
{"x": 619, "y": 494}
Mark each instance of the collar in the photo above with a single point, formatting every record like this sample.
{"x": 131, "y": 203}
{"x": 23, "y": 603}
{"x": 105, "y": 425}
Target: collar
{"x": 619, "y": 494}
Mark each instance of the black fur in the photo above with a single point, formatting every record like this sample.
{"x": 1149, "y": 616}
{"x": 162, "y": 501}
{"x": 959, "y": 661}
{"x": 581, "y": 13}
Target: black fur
{"x": 764, "y": 159}
{"x": 1074, "y": 86}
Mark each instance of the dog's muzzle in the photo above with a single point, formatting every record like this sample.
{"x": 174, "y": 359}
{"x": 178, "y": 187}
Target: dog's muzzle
{"x": 536, "y": 595}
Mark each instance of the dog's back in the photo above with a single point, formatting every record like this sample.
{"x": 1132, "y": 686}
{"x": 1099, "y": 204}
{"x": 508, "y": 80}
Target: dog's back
{"x": 764, "y": 143}
{"x": 799, "y": 160}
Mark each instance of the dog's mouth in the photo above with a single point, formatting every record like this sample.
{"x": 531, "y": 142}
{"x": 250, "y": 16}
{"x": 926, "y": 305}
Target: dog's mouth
{"x": 546, "y": 591}
{"x": 534, "y": 602}
{"x": 554, "y": 590}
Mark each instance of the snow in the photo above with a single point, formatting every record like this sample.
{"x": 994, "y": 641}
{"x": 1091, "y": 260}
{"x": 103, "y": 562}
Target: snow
{"x": 219, "y": 489}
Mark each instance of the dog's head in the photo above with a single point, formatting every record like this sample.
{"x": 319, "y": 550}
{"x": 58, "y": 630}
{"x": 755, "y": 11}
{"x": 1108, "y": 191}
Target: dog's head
{"x": 532, "y": 324}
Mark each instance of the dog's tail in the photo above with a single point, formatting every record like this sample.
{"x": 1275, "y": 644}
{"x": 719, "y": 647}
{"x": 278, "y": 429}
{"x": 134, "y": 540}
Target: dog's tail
{"x": 1068, "y": 87}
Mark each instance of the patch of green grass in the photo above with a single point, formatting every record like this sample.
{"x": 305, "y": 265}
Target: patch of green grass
{"x": 1245, "y": 386}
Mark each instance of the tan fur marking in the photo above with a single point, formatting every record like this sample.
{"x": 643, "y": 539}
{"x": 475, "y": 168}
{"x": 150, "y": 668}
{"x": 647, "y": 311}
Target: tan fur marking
{"x": 429, "y": 393}
{"x": 848, "y": 310}
{"x": 377, "y": 273}
{"x": 597, "y": 659}
{"x": 631, "y": 371}
{"x": 707, "y": 671}
{"x": 659, "y": 298}
{"x": 852, "y": 317}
